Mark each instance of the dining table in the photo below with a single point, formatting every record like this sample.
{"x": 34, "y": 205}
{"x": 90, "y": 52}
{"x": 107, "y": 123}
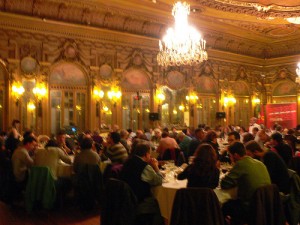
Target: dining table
{"x": 165, "y": 195}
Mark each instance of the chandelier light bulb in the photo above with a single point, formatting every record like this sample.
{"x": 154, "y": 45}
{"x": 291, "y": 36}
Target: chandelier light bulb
{"x": 182, "y": 44}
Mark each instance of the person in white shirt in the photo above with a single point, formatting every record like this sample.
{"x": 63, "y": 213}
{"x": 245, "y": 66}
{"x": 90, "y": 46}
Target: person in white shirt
{"x": 50, "y": 157}
{"x": 253, "y": 124}
{"x": 21, "y": 160}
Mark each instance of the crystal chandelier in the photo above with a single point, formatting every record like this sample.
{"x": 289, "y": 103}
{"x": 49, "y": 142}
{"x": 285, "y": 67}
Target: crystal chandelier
{"x": 298, "y": 74}
{"x": 182, "y": 45}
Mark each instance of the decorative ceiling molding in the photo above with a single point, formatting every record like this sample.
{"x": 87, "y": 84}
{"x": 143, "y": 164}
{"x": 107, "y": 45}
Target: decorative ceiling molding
{"x": 95, "y": 20}
{"x": 242, "y": 7}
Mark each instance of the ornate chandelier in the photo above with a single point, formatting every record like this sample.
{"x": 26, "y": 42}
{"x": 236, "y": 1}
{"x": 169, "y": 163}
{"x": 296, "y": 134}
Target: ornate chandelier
{"x": 182, "y": 45}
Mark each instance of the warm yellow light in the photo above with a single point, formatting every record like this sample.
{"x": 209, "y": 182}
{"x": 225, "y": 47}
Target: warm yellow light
{"x": 191, "y": 97}
{"x": 98, "y": 93}
{"x": 230, "y": 100}
{"x": 256, "y": 100}
{"x": 175, "y": 111}
{"x": 78, "y": 107}
{"x": 147, "y": 110}
{"x": 161, "y": 96}
{"x": 105, "y": 108}
{"x": 114, "y": 94}
{"x": 17, "y": 89}
{"x": 30, "y": 106}
{"x": 181, "y": 107}
{"x": 182, "y": 44}
{"x": 40, "y": 90}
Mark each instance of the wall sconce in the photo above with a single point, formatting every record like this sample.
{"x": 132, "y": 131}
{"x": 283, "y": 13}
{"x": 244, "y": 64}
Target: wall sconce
{"x": 256, "y": 100}
{"x": 114, "y": 95}
{"x": 191, "y": 98}
{"x": 40, "y": 91}
{"x": 181, "y": 108}
{"x": 31, "y": 106}
{"x": 298, "y": 74}
{"x": 229, "y": 100}
{"x": 160, "y": 97}
{"x": 17, "y": 91}
{"x": 98, "y": 94}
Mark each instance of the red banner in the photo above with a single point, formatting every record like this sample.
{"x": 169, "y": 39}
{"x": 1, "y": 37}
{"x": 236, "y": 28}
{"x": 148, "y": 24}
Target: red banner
{"x": 284, "y": 114}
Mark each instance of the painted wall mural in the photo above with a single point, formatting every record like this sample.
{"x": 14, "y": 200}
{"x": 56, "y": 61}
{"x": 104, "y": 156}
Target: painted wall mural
{"x": 68, "y": 74}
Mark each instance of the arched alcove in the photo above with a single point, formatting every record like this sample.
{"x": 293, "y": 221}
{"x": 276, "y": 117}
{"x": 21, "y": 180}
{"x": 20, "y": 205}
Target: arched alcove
{"x": 68, "y": 85}
{"x": 136, "y": 99}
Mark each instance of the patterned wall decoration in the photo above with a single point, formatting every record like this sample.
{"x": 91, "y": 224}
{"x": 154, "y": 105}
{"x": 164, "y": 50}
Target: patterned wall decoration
{"x": 283, "y": 88}
{"x": 135, "y": 80}
{"x": 175, "y": 80}
{"x": 67, "y": 74}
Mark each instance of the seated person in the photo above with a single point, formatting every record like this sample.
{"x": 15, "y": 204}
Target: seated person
{"x": 247, "y": 175}
{"x": 141, "y": 172}
{"x": 61, "y": 141}
{"x": 166, "y": 142}
{"x": 203, "y": 171}
{"x": 86, "y": 155}
{"x": 116, "y": 152}
{"x": 276, "y": 167}
{"x": 21, "y": 160}
{"x": 50, "y": 156}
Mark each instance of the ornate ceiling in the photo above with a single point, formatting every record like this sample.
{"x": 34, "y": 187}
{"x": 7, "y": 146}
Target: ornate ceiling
{"x": 250, "y": 27}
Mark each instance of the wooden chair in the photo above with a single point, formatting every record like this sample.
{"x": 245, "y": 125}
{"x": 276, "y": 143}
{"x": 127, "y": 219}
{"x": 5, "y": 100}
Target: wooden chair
{"x": 196, "y": 206}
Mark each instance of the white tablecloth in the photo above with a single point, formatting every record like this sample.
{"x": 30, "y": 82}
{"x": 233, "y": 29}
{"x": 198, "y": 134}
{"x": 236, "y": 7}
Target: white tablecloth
{"x": 65, "y": 170}
{"x": 165, "y": 195}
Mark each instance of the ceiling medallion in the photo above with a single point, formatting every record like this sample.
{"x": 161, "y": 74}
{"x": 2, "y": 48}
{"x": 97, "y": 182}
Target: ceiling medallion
{"x": 182, "y": 44}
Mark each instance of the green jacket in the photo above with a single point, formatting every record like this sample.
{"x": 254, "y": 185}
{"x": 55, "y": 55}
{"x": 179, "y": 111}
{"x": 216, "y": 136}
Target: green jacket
{"x": 40, "y": 188}
{"x": 247, "y": 174}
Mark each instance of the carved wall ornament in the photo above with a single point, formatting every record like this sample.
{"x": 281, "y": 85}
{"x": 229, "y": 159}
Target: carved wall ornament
{"x": 175, "y": 80}
{"x": 29, "y": 66}
{"x": 70, "y": 50}
{"x": 283, "y": 74}
{"x": 206, "y": 69}
{"x": 241, "y": 74}
{"x": 106, "y": 71}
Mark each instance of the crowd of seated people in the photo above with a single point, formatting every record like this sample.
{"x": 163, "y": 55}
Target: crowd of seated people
{"x": 123, "y": 150}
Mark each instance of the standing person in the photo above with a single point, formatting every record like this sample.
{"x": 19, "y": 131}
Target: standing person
{"x": 21, "y": 160}
{"x": 13, "y": 138}
{"x": 141, "y": 172}
{"x": 116, "y": 152}
{"x": 203, "y": 171}
{"x": 247, "y": 175}
{"x": 253, "y": 124}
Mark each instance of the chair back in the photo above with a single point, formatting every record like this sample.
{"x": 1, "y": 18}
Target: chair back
{"x": 120, "y": 204}
{"x": 88, "y": 185}
{"x": 40, "y": 188}
{"x": 292, "y": 205}
{"x": 112, "y": 171}
{"x": 196, "y": 206}
{"x": 266, "y": 207}
{"x": 174, "y": 154}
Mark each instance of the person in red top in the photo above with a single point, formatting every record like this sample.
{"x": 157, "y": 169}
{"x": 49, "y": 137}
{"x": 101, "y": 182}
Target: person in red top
{"x": 166, "y": 142}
